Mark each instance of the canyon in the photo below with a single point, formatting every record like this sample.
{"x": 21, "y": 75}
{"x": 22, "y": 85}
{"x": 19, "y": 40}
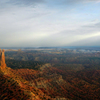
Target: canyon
{"x": 47, "y": 81}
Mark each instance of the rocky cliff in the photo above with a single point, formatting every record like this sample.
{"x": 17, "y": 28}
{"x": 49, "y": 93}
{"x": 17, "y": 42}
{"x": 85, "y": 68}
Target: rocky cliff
{"x": 28, "y": 84}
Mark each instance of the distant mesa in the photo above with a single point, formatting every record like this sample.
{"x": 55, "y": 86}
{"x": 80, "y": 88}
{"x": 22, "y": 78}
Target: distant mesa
{"x": 2, "y": 59}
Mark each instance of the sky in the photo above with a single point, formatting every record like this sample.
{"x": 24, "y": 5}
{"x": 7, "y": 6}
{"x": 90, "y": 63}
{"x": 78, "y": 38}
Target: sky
{"x": 41, "y": 23}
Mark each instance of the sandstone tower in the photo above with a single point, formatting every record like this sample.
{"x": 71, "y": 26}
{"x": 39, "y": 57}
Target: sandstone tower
{"x": 2, "y": 59}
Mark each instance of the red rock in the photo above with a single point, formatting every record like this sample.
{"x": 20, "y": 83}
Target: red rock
{"x": 2, "y": 59}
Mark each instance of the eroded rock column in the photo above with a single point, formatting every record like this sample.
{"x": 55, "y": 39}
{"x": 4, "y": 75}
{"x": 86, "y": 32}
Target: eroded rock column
{"x": 3, "y": 64}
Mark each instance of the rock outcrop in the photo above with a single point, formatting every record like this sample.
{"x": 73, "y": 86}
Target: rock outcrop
{"x": 2, "y": 59}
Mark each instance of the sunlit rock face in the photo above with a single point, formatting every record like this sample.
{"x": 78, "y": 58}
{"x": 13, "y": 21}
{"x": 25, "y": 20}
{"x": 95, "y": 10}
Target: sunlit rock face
{"x": 2, "y": 59}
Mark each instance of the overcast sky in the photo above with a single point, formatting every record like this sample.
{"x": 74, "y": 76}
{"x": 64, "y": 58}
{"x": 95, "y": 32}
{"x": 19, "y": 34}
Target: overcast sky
{"x": 33, "y": 23}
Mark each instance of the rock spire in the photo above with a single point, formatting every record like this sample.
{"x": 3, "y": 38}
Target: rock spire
{"x": 2, "y": 59}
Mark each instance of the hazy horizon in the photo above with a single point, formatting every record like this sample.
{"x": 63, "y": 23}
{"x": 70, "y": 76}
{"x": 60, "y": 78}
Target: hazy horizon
{"x": 49, "y": 23}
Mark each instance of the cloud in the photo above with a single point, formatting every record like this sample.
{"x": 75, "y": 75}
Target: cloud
{"x": 33, "y": 23}
{"x": 92, "y": 40}
{"x": 24, "y": 2}
{"x": 19, "y": 3}
{"x": 87, "y": 29}
{"x": 92, "y": 27}
{"x": 47, "y": 2}
{"x": 79, "y": 1}
{"x": 73, "y": 2}
{"x": 78, "y": 36}
{"x": 97, "y": 25}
